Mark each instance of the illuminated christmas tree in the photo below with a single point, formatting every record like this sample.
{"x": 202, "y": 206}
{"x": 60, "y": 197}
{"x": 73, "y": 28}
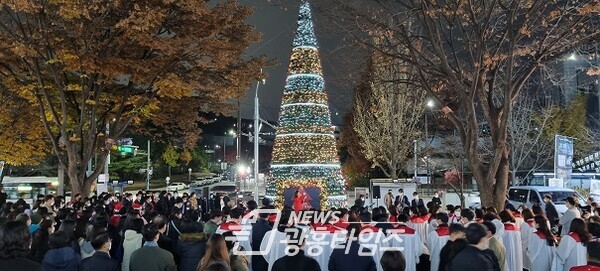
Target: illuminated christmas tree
{"x": 305, "y": 154}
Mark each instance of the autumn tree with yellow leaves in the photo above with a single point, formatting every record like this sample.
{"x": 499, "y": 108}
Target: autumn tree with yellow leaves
{"x": 84, "y": 66}
{"x": 21, "y": 131}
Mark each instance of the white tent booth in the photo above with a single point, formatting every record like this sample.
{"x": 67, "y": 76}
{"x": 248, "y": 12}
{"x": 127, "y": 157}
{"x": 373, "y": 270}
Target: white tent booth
{"x": 379, "y": 187}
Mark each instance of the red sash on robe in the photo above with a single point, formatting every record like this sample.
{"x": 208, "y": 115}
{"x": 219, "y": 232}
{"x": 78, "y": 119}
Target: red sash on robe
{"x": 342, "y": 224}
{"x": 325, "y": 228}
{"x": 417, "y": 219}
{"x": 314, "y": 226}
{"x": 589, "y": 267}
{"x": 369, "y": 228}
{"x": 510, "y": 227}
{"x": 230, "y": 226}
{"x": 530, "y": 222}
{"x": 442, "y": 230}
{"x": 575, "y": 236}
{"x": 403, "y": 229}
{"x": 540, "y": 235}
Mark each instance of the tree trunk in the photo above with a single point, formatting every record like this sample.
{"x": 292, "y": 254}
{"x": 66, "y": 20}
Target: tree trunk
{"x": 80, "y": 182}
{"x": 394, "y": 171}
{"x": 493, "y": 192}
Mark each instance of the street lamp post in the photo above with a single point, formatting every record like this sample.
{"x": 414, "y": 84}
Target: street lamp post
{"x": 168, "y": 179}
{"x": 430, "y": 104}
{"x": 416, "y": 162}
{"x": 189, "y": 175}
{"x": 256, "y": 137}
{"x": 215, "y": 152}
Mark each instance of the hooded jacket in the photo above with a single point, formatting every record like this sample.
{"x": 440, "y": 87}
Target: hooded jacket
{"x": 85, "y": 248}
{"x": 131, "y": 241}
{"x": 61, "y": 259}
{"x": 189, "y": 250}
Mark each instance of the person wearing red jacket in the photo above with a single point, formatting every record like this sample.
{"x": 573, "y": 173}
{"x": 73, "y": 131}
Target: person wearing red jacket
{"x": 593, "y": 251}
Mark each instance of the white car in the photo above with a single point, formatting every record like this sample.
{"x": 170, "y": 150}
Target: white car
{"x": 529, "y": 195}
{"x": 176, "y": 187}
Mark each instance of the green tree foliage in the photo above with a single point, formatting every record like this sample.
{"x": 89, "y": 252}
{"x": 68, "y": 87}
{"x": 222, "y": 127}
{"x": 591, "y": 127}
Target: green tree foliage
{"x": 572, "y": 121}
{"x": 126, "y": 167}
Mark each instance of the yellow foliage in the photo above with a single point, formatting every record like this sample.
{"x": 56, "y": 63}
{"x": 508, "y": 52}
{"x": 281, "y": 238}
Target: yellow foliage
{"x": 21, "y": 132}
{"x": 74, "y": 87}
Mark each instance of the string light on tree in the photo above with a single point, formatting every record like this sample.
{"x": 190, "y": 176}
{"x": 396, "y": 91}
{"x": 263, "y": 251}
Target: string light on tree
{"x": 305, "y": 154}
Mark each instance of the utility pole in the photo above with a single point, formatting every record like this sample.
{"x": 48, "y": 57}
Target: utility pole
{"x": 256, "y": 138}
{"x": 148, "y": 169}
{"x": 416, "y": 163}
{"x": 238, "y": 134}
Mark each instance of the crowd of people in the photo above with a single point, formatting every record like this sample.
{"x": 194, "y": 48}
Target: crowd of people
{"x": 160, "y": 231}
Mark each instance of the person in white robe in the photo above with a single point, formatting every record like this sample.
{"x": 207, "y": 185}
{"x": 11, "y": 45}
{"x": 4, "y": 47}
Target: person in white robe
{"x": 420, "y": 224}
{"x": 512, "y": 242}
{"x": 541, "y": 245}
{"x": 571, "y": 250}
{"x": 406, "y": 238}
{"x": 438, "y": 239}
{"x": 455, "y": 218}
{"x": 527, "y": 229}
{"x": 273, "y": 245}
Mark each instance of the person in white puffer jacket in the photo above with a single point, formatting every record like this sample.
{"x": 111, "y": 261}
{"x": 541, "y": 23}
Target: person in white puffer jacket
{"x": 132, "y": 240}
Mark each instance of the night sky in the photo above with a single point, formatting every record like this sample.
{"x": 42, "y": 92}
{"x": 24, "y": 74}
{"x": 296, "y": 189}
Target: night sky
{"x": 277, "y": 23}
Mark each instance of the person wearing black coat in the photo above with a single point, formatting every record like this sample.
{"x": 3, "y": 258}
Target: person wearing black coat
{"x": 475, "y": 256}
{"x": 14, "y": 245}
{"x": 189, "y": 249}
{"x": 416, "y": 202}
{"x": 40, "y": 245}
{"x": 342, "y": 261}
{"x": 455, "y": 245}
{"x": 298, "y": 261}
{"x": 401, "y": 200}
{"x": 259, "y": 230}
{"x": 61, "y": 256}
{"x": 550, "y": 210}
{"x": 100, "y": 260}
{"x": 382, "y": 219}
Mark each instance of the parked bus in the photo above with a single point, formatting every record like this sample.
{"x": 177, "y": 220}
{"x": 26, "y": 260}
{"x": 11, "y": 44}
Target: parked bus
{"x": 29, "y": 187}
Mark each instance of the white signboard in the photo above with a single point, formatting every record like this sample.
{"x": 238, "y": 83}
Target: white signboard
{"x": 595, "y": 187}
{"x": 554, "y": 182}
{"x": 102, "y": 178}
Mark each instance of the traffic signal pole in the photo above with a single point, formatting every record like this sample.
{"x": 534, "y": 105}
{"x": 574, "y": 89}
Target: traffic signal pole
{"x": 148, "y": 169}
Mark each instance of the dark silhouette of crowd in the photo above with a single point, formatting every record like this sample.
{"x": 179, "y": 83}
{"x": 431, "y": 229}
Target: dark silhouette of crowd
{"x": 149, "y": 231}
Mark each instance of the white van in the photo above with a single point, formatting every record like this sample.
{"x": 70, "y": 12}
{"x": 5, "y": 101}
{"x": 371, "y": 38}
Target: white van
{"x": 529, "y": 195}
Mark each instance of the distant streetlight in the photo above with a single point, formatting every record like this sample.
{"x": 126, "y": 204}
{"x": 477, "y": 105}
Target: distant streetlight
{"x": 430, "y": 103}
{"x": 189, "y": 175}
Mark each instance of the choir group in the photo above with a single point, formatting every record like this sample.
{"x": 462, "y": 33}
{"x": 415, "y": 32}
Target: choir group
{"x": 158, "y": 231}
